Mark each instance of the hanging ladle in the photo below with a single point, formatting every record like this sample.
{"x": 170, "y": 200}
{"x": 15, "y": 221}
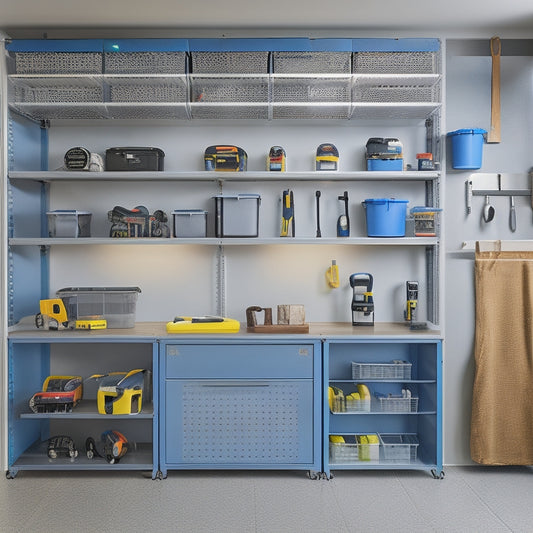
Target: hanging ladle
{"x": 488, "y": 210}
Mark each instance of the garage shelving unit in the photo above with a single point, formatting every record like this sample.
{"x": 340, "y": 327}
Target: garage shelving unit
{"x": 190, "y": 80}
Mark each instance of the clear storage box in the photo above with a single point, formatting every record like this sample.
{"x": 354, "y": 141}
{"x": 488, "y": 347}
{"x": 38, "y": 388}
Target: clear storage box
{"x": 69, "y": 223}
{"x": 398, "y": 448}
{"x": 116, "y": 304}
{"x": 355, "y": 449}
{"x": 393, "y": 370}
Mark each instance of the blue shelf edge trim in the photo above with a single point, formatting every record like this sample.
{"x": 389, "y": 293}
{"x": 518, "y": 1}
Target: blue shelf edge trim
{"x": 146, "y": 45}
{"x": 297, "y": 44}
{"x": 396, "y": 45}
{"x": 55, "y": 45}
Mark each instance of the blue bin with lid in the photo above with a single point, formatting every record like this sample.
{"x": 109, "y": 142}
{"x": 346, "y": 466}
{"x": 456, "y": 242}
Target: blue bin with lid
{"x": 385, "y": 217}
{"x": 467, "y": 148}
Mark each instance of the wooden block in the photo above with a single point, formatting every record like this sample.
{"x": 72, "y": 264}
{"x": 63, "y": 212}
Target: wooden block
{"x": 293, "y": 314}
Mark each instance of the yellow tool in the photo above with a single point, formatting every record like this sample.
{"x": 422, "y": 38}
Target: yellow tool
{"x": 91, "y": 323}
{"x": 287, "y": 216}
{"x": 203, "y": 324}
{"x": 52, "y": 315}
{"x": 120, "y": 393}
{"x": 332, "y": 275}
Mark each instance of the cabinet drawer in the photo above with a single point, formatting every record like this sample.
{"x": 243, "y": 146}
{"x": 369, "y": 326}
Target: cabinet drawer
{"x": 239, "y": 361}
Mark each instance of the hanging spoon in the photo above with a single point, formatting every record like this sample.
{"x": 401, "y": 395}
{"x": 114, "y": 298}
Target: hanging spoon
{"x": 488, "y": 210}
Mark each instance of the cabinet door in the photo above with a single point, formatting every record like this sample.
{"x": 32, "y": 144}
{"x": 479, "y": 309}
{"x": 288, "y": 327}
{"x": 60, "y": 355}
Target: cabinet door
{"x": 231, "y": 423}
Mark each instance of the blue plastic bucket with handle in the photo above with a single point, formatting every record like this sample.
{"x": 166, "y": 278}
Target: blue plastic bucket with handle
{"x": 467, "y": 148}
{"x": 385, "y": 217}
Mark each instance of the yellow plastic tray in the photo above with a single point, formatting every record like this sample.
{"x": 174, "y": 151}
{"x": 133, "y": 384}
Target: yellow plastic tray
{"x": 186, "y": 325}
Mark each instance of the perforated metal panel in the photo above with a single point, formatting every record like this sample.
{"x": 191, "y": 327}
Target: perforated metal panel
{"x": 227, "y": 89}
{"x": 144, "y": 62}
{"x": 58, "y": 62}
{"x": 397, "y": 62}
{"x": 312, "y": 90}
{"x": 312, "y": 62}
{"x": 259, "y": 422}
{"x": 229, "y": 62}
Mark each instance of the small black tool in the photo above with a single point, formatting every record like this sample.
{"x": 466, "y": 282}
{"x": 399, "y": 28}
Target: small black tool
{"x": 343, "y": 223}
{"x": 318, "y": 232}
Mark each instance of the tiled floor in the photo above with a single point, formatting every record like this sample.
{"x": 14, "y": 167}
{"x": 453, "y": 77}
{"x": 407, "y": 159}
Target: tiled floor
{"x": 468, "y": 499}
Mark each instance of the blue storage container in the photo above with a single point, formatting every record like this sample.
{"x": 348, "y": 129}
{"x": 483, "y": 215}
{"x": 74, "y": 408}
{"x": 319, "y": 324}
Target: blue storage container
{"x": 384, "y": 164}
{"x": 467, "y": 148}
{"x": 385, "y": 217}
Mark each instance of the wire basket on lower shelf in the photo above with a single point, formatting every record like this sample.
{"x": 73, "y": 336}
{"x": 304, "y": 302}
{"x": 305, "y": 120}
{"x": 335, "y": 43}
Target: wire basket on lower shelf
{"x": 398, "y": 448}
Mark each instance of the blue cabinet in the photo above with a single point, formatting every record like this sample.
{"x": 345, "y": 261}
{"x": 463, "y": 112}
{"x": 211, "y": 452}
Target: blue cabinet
{"x": 382, "y": 404}
{"x": 241, "y": 404}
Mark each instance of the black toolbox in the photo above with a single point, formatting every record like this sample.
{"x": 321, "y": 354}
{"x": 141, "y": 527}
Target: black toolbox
{"x": 132, "y": 158}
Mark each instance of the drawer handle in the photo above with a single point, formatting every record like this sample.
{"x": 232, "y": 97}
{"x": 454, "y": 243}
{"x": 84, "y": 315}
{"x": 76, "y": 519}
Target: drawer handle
{"x": 233, "y": 385}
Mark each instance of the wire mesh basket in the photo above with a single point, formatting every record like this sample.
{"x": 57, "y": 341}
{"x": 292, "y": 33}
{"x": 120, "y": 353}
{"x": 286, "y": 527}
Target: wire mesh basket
{"x": 397, "y": 404}
{"x": 229, "y": 89}
{"x": 148, "y": 93}
{"x": 58, "y": 63}
{"x": 318, "y": 110}
{"x": 311, "y": 90}
{"x": 395, "y": 62}
{"x": 206, "y": 110}
{"x": 394, "y": 370}
{"x": 147, "y": 111}
{"x": 57, "y": 94}
{"x": 145, "y": 62}
{"x": 312, "y": 62}
{"x": 229, "y": 62}
{"x": 396, "y": 93}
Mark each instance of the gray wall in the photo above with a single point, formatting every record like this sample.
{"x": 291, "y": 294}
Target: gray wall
{"x": 468, "y": 86}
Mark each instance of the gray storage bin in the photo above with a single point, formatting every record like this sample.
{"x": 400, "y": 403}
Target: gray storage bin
{"x": 69, "y": 223}
{"x": 190, "y": 222}
{"x": 116, "y": 304}
{"x": 237, "y": 215}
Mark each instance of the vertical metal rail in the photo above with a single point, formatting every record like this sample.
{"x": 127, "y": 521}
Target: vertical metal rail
{"x": 221, "y": 281}
{"x": 220, "y": 272}
{"x": 5, "y": 262}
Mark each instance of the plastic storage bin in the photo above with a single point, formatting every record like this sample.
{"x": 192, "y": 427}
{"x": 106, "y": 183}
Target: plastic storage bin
{"x": 385, "y": 217}
{"x": 190, "y": 223}
{"x": 354, "y": 449}
{"x": 116, "y": 304}
{"x": 384, "y": 164}
{"x": 399, "y": 448}
{"x": 393, "y": 370}
{"x": 467, "y": 148}
{"x": 237, "y": 215}
{"x": 69, "y": 223}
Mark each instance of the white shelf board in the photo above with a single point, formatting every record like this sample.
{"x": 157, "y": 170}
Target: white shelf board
{"x": 215, "y": 241}
{"x": 249, "y": 175}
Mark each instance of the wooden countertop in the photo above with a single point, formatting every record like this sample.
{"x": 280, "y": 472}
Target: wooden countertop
{"x": 148, "y": 331}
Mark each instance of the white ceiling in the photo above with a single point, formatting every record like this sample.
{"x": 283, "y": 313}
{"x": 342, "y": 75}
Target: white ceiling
{"x": 467, "y": 18}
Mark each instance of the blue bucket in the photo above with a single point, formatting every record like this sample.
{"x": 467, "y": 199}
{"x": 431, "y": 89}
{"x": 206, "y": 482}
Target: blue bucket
{"x": 467, "y": 148}
{"x": 385, "y": 217}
